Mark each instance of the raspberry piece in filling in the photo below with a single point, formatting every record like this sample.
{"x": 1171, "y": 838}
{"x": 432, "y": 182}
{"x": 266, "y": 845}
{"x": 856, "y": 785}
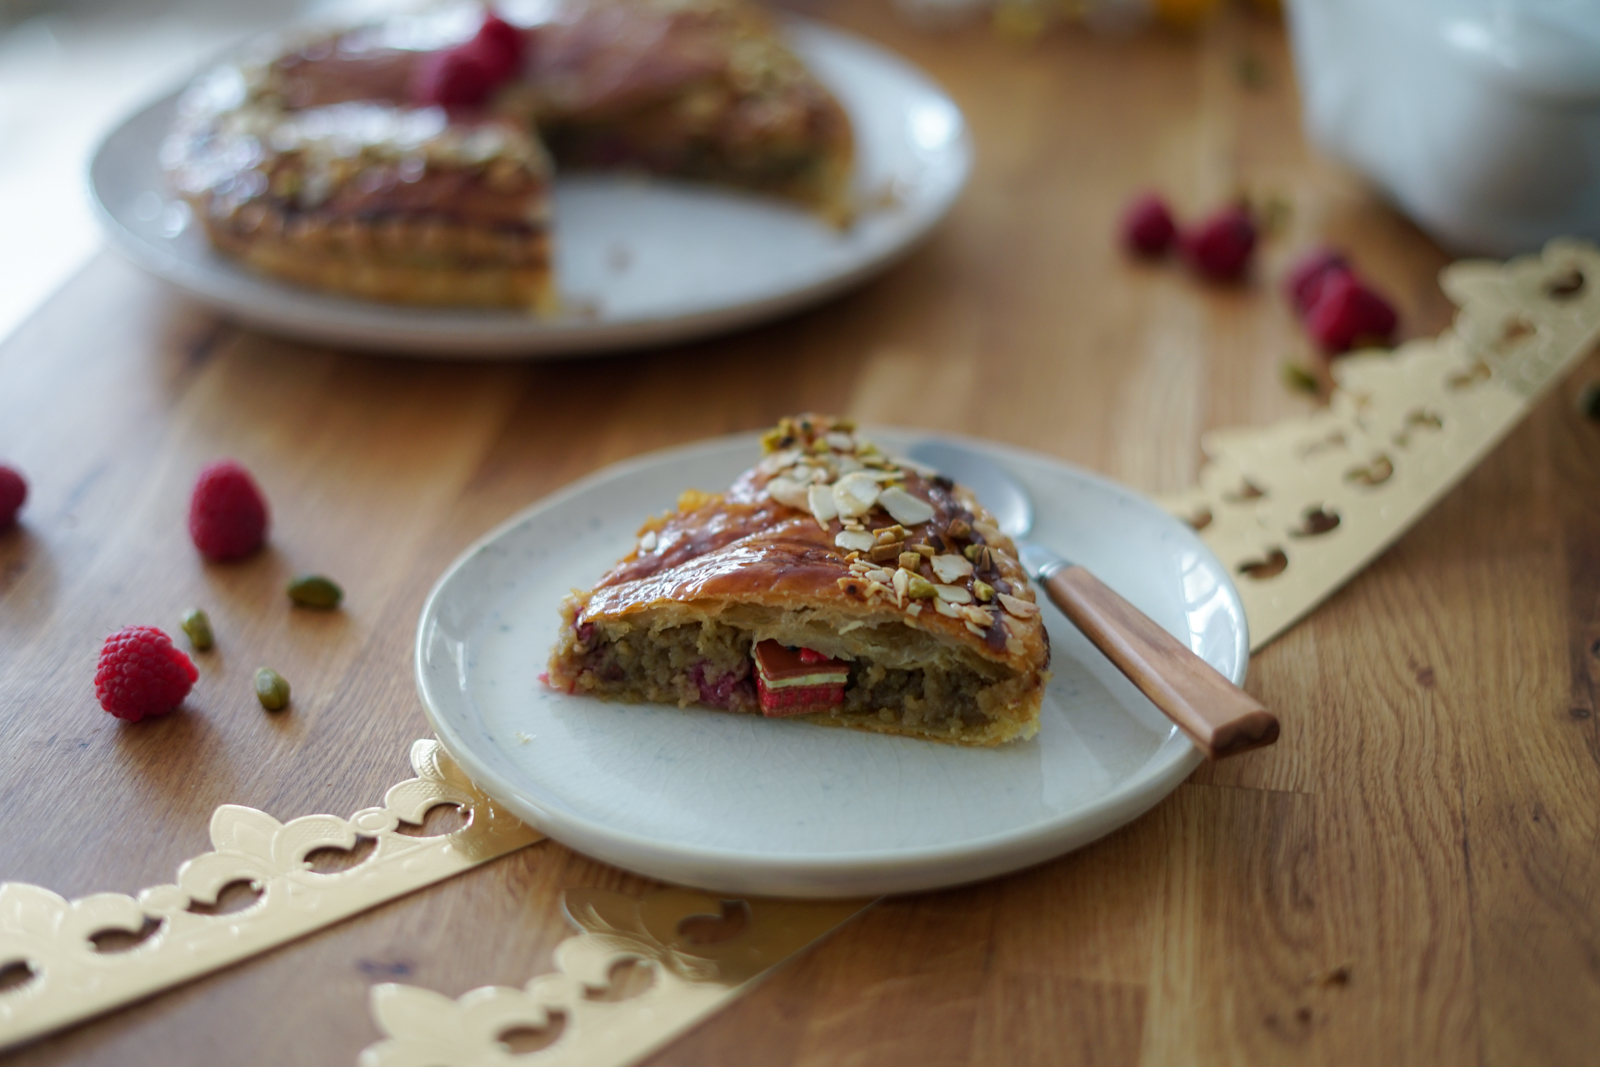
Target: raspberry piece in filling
{"x": 797, "y": 681}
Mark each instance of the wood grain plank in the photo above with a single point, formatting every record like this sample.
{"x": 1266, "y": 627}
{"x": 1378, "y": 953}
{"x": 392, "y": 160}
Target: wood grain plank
{"x": 1407, "y": 877}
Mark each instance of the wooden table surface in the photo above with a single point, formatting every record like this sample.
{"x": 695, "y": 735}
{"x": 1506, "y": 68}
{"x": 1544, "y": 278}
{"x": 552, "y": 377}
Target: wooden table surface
{"x": 1409, "y": 876}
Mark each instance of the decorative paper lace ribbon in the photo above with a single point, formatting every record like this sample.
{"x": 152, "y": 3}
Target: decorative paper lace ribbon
{"x": 1295, "y": 509}
{"x": 69, "y": 980}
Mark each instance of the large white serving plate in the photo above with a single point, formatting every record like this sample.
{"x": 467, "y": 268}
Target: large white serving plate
{"x": 640, "y": 262}
{"x": 748, "y": 805}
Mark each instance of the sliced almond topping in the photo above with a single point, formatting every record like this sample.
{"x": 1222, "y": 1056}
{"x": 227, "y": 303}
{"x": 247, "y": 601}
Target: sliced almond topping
{"x": 840, "y": 442}
{"x": 1013, "y": 645}
{"x": 913, "y": 608}
{"x": 906, "y": 509}
{"x": 977, "y": 615}
{"x": 848, "y": 464}
{"x": 989, "y": 530}
{"x": 953, "y": 593}
{"x": 925, "y": 471}
{"x": 803, "y": 473}
{"x": 880, "y": 575}
{"x": 891, "y": 533}
{"x": 854, "y": 494}
{"x": 902, "y": 582}
{"x": 647, "y": 543}
{"x": 778, "y": 460}
{"x": 879, "y": 589}
{"x": 947, "y": 609}
{"x": 1022, "y": 609}
{"x": 786, "y": 490}
{"x": 854, "y": 540}
{"x": 819, "y": 498}
{"x": 979, "y": 630}
{"x": 951, "y": 567}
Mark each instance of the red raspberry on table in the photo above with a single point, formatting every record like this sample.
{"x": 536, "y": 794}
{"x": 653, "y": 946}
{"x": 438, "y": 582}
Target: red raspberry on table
{"x": 1308, "y": 276}
{"x": 1219, "y": 248}
{"x": 13, "y": 491}
{"x": 1147, "y": 226}
{"x": 141, "y": 673}
{"x": 1347, "y": 311}
{"x": 227, "y": 513}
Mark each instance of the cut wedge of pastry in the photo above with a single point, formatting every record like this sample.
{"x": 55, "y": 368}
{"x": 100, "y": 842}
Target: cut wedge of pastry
{"x": 830, "y": 583}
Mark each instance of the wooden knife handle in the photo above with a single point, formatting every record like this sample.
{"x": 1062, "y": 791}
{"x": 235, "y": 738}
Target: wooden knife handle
{"x": 1220, "y": 717}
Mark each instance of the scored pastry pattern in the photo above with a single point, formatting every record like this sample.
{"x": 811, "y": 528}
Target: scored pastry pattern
{"x": 57, "y": 974}
{"x": 1295, "y": 509}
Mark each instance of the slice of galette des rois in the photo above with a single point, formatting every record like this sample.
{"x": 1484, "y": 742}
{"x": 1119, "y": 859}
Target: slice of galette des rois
{"x": 831, "y": 583}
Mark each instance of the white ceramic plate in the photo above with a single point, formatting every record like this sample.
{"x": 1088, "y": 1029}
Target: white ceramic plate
{"x": 645, "y": 261}
{"x": 748, "y": 805}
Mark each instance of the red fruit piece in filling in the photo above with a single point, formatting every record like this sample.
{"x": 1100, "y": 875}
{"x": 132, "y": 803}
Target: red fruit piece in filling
{"x": 1348, "y": 312}
{"x": 1220, "y": 247}
{"x": 1308, "y": 276}
{"x": 141, "y": 673}
{"x": 797, "y": 700}
{"x": 227, "y": 513}
{"x": 13, "y": 492}
{"x": 1147, "y": 226}
{"x": 795, "y": 681}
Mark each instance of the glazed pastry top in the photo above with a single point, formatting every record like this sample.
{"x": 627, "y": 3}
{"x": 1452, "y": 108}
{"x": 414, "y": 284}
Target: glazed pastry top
{"x": 826, "y": 520}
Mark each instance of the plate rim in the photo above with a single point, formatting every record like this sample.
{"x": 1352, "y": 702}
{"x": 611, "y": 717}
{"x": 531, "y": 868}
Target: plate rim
{"x": 817, "y": 876}
{"x": 419, "y": 335}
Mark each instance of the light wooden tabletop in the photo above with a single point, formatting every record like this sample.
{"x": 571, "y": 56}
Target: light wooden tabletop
{"x": 1409, "y": 876}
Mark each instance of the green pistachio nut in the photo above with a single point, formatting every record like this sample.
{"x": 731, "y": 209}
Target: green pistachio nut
{"x": 919, "y": 588}
{"x": 198, "y": 626}
{"x": 272, "y": 689}
{"x": 315, "y": 591}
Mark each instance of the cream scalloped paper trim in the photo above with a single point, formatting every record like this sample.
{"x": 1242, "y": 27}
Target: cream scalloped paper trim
{"x": 1295, "y": 509}
{"x": 688, "y": 982}
{"x": 71, "y": 980}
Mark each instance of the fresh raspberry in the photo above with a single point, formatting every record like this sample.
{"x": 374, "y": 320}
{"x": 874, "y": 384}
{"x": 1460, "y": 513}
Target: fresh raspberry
{"x": 1305, "y": 281}
{"x": 13, "y": 491}
{"x": 466, "y": 75}
{"x": 1147, "y": 226}
{"x": 227, "y": 513}
{"x": 1347, "y": 311}
{"x": 1219, "y": 248}
{"x": 501, "y": 44}
{"x": 455, "y": 77}
{"x": 141, "y": 673}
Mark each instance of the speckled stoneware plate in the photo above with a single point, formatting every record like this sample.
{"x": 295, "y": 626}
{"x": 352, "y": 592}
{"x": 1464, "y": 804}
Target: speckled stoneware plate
{"x": 640, "y": 262}
{"x": 748, "y": 805}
